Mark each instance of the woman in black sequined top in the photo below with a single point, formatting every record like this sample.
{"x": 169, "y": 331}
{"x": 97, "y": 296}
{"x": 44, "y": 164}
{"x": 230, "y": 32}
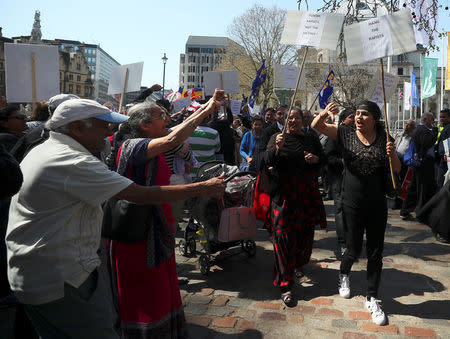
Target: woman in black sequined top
{"x": 366, "y": 152}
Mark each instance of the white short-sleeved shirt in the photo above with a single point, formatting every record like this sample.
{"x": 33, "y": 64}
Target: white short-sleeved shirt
{"x": 55, "y": 220}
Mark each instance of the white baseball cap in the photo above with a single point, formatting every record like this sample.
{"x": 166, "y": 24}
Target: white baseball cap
{"x": 80, "y": 109}
{"x": 58, "y": 99}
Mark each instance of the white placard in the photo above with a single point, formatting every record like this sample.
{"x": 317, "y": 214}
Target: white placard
{"x": 235, "y": 106}
{"x": 18, "y": 72}
{"x": 376, "y": 38}
{"x": 401, "y": 33}
{"x": 255, "y": 110}
{"x": 318, "y": 30}
{"x": 133, "y": 81}
{"x": 229, "y": 78}
{"x": 285, "y": 76}
{"x": 407, "y": 95}
{"x": 311, "y": 33}
{"x": 375, "y": 92}
{"x": 180, "y": 104}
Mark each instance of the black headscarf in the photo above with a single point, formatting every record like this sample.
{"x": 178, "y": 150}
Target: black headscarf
{"x": 370, "y": 107}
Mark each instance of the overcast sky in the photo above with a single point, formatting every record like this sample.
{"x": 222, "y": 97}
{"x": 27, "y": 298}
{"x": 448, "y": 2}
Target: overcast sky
{"x": 132, "y": 31}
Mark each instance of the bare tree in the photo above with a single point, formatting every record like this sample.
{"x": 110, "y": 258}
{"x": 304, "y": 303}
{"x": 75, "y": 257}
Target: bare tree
{"x": 353, "y": 8}
{"x": 259, "y": 31}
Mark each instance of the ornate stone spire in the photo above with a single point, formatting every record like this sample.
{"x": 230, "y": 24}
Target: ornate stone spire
{"x": 36, "y": 34}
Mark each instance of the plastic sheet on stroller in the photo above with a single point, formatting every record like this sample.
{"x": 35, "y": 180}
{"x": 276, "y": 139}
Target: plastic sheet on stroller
{"x": 206, "y": 212}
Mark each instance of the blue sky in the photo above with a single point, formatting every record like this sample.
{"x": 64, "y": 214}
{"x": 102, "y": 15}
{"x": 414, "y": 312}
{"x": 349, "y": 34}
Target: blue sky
{"x": 132, "y": 31}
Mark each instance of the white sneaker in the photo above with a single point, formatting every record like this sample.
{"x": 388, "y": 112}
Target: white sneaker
{"x": 344, "y": 286}
{"x": 378, "y": 316}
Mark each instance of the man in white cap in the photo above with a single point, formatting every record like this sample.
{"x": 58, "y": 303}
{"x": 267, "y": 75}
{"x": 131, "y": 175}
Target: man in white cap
{"x": 39, "y": 134}
{"x": 55, "y": 223}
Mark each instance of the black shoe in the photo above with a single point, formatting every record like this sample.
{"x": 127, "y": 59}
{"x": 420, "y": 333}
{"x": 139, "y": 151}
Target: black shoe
{"x": 440, "y": 238}
{"x": 183, "y": 281}
{"x": 408, "y": 217}
{"x": 343, "y": 249}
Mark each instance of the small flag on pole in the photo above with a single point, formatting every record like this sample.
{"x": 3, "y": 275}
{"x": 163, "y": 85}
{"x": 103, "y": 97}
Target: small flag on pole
{"x": 429, "y": 71}
{"x": 415, "y": 101}
{"x": 326, "y": 90}
{"x": 257, "y": 83}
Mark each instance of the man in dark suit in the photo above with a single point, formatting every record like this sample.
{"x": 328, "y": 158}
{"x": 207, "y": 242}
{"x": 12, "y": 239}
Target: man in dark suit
{"x": 423, "y": 183}
{"x": 275, "y": 127}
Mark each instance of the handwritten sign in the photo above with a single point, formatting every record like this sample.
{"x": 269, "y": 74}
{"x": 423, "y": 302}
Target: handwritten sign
{"x": 376, "y": 38}
{"x": 18, "y": 72}
{"x": 235, "y": 106}
{"x": 379, "y": 37}
{"x": 313, "y": 24}
{"x": 285, "y": 76}
{"x": 230, "y": 81}
{"x": 375, "y": 92}
{"x": 318, "y": 30}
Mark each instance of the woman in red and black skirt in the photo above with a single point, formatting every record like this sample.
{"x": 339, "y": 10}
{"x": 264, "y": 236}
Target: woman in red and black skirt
{"x": 293, "y": 160}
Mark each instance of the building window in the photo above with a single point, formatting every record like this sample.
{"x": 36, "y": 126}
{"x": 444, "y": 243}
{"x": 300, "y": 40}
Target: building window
{"x": 60, "y": 76}
{"x": 78, "y": 89}
{"x": 205, "y": 68}
{"x": 78, "y": 78}
{"x": 78, "y": 67}
{"x": 86, "y": 91}
{"x": 400, "y": 71}
{"x": 71, "y": 77}
{"x": 193, "y": 50}
{"x": 70, "y": 88}
{"x": 191, "y": 58}
{"x": 191, "y": 69}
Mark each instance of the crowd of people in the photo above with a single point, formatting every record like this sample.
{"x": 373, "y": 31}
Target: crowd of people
{"x": 64, "y": 280}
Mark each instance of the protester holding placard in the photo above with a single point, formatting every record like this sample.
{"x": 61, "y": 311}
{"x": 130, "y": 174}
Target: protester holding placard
{"x": 296, "y": 207}
{"x": 366, "y": 152}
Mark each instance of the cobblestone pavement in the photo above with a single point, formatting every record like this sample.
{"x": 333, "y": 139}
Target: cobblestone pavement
{"x": 237, "y": 300}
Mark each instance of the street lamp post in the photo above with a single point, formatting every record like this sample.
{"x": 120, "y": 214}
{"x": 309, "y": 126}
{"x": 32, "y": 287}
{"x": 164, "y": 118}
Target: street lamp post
{"x": 164, "y": 59}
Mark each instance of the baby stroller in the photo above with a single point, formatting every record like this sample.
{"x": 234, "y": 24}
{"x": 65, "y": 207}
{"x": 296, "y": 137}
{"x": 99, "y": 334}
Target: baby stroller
{"x": 219, "y": 225}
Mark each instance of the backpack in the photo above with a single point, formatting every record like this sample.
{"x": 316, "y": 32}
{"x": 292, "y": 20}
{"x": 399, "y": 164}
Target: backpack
{"x": 411, "y": 157}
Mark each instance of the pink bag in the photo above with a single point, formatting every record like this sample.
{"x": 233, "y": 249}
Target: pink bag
{"x": 237, "y": 223}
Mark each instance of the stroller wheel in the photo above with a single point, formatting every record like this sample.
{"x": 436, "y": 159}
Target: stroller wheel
{"x": 204, "y": 264}
{"x": 192, "y": 246}
{"x": 249, "y": 247}
{"x": 182, "y": 246}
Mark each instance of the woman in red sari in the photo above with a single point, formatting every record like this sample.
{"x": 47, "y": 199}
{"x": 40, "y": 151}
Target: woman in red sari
{"x": 296, "y": 205}
{"x": 145, "y": 273}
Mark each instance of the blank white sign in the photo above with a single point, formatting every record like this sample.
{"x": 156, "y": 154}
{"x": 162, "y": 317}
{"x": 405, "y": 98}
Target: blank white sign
{"x": 230, "y": 82}
{"x": 285, "y": 76}
{"x": 133, "y": 81}
{"x": 18, "y": 72}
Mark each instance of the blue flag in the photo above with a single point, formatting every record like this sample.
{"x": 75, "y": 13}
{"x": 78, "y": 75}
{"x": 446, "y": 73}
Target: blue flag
{"x": 414, "y": 91}
{"x": 257, "y": 83}
{"x": 326, "y": 90}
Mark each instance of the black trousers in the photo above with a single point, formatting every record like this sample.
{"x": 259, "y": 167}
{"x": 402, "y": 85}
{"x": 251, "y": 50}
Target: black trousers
{"x": 371, "y": 219}
{"x": 421, "y": 189}
{"x": 335, "y": 184}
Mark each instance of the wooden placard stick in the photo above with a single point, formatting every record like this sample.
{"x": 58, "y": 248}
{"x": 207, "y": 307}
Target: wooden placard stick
{"x": 122, "y": 95}
{"x": 312, "y": 105}
{"x": 295, "y": 91}
{"x": 33, "y": 80}
{"x": 386, "y": 123}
